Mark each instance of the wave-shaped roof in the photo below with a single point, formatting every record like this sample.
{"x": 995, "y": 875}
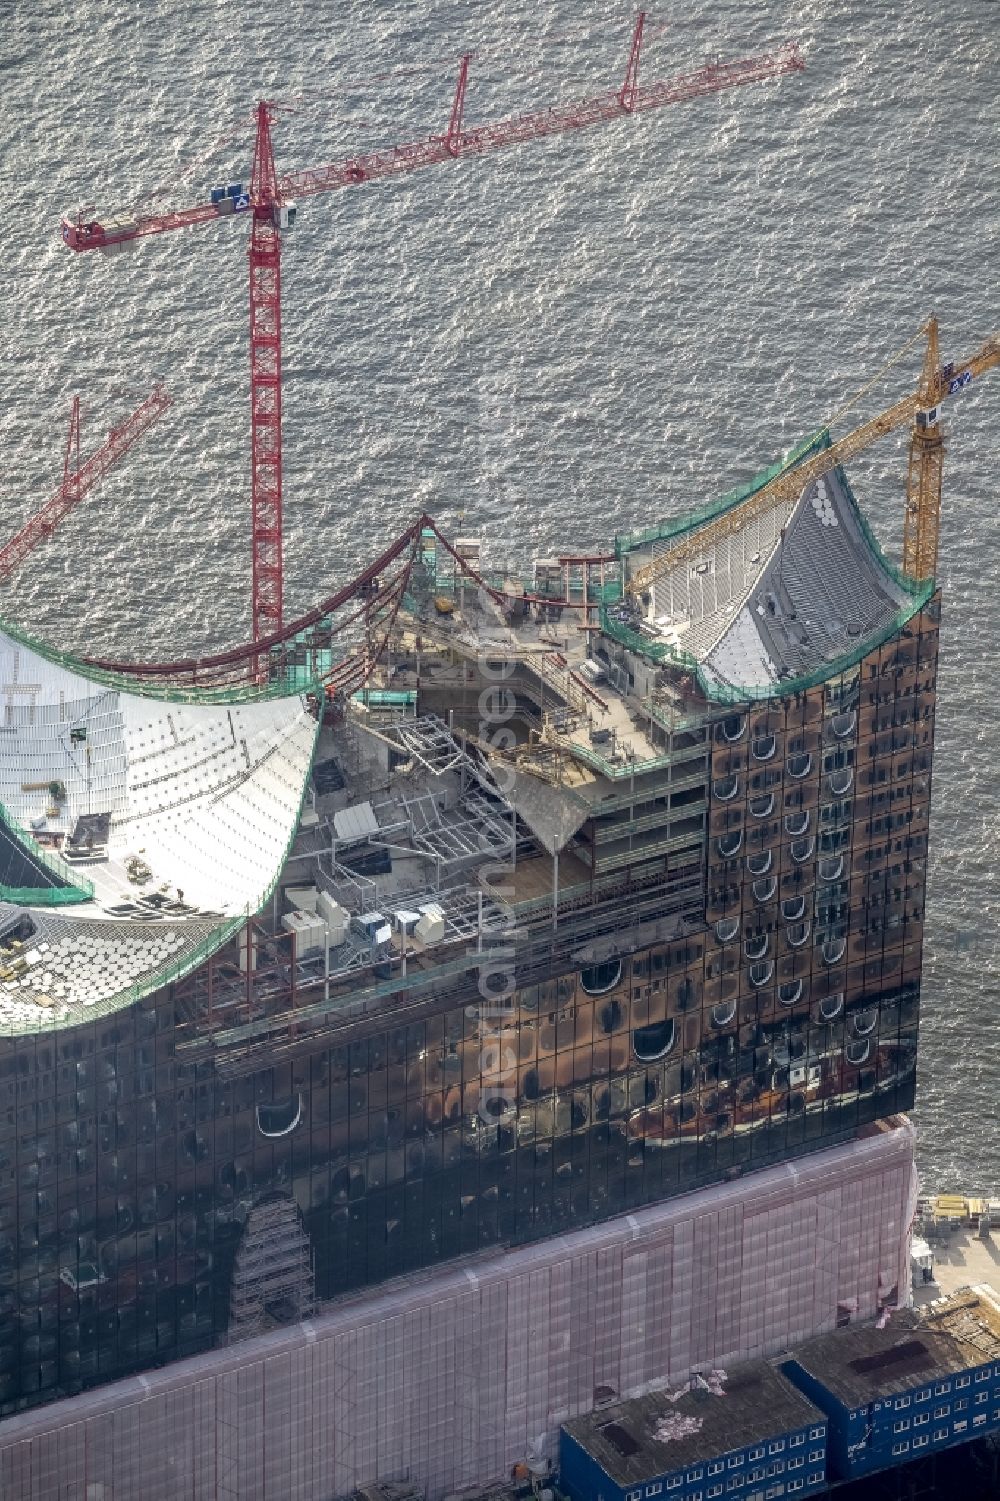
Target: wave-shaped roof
{"x": 800, "y": 586}
{"x": 138, "y": 832}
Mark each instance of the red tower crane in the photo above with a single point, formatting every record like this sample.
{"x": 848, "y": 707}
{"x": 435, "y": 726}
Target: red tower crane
{"x": 271, "y": 203}
{"x": 79, "y": 478}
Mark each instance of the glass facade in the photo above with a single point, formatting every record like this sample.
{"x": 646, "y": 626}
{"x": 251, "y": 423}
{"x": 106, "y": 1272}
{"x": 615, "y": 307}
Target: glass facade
{"x": 784, "y": 1017}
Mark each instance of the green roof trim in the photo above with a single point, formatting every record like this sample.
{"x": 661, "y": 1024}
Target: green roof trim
{"x": 294, "y": 680}
{"x": 74, "y": 888}
{"x": 918, "y": 592}
{"x": 678, "y": 526}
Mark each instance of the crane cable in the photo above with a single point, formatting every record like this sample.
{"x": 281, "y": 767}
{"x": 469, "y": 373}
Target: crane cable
{"x": 862, "y": 391}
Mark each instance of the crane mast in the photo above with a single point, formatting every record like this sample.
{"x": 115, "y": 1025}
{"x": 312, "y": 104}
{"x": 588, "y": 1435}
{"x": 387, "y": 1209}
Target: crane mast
{"x": 79, "y": 479}
{"x": 270, "y": 202}
{"x": 923, "y": 504}
{"x": 922, "y": 517}
{"x": 265, "y": 382}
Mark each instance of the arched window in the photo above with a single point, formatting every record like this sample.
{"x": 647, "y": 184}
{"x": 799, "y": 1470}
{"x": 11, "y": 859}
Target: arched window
{"x": 762, "y": 747}
{"x": 833, "y": 950}
{"x": 726, "y": 788}
{"x": 730, "y": 844}
{"x": 831, "y": 1006}
{"x": 727, "y": 928}
{"x": 653, "y": 1042}
{"x": 598, "y": 979}
{"x": 865, "y": 1022}
{"x": 723, "y": 1013}
{"x": 755, "y": 945}
{"x": 761, "y": 806}
{"x": 856, "y": 1052}
{"x": 764, "y": 890}
{"x": 793, "y": 907}
{"x": 798, "y": 934}
{"x": 802, "y": 849}
{"x": 761, "y": 972}
{"x": 841, "y": 781}
{"x": 799, "y": 765}
{"x": 759, "y": 865}
{"x": 797, "y": 823}
{"x": 733, "y": 728}
{"x": 842, "y": 725}
{"x": 281, "y": 1117}
{"x": 830, "y": 867}
{"x": 789, "y": 992}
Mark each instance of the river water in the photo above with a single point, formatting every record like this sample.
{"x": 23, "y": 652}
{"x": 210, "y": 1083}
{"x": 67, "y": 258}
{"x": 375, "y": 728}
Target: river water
{"x": 579, "y": 336}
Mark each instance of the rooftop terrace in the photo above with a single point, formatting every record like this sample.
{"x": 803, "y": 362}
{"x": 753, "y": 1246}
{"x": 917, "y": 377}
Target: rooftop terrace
{"x": 725, "y": 1411}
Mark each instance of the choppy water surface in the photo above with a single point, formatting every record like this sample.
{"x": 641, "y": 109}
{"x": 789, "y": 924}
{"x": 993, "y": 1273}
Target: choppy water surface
{"x": 580, "y": 336}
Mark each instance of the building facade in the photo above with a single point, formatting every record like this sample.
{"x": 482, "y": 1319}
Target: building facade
{"x": 461, "y": 1372}
{"x": 746, "y": 1433}
{"x": 671, "y": 928}
{"x": 913, "y": 1389}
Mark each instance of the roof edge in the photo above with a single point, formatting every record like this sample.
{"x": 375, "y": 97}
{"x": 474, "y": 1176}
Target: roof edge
{"x": 678, "y": 526}
{"x": 142, "y": 688}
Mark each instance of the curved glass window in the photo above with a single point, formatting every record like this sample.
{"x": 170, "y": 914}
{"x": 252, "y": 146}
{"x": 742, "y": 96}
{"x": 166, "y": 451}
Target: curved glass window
{"x": 759, "y": 865}
{"x": 798, "y": 934}
{"x": 761, "y": 972}
{"x": 723, "y": 1013}
{"x": 727, "y": 928}
{"x": 797, "y": 823}
{"x": 831, "y": 1006}
{"x": 653, "y": 1042}
{"x": 733, "y": 727}
{"x": 857, "y": 1051}
{"x": 833, "y": 949}
{"x": 729, "y": 845}
{"x": 842, "y": 780}
{"x": 793, "y": 907}
{"x": 762, "y": 747}
{"x": 801, "y": 849}
{"x": 761, "y": 806}
{"x": 789, "y": 992}
{"x": 842, "y": 725}
{"x": 755, "y": 945}
{"x": 830, "y": 867}
{"x": 726, "y": 788}
{"x": 865, "y": 1022}
{"x": 281, "y": 1117}
{"x": 600, "y": 978}
{"x": 800, "y": 765}
{"x": 764, "y": 890}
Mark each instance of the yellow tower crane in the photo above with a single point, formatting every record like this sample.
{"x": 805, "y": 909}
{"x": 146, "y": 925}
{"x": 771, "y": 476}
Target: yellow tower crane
{"x": 921, "y": 409}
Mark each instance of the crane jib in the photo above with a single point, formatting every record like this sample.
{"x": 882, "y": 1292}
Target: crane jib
{"x": 272, "y": 209}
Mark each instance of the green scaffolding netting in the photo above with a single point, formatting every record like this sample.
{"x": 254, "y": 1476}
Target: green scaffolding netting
{"x": 676, "y": 526}
{"x": 918, "y": 593}
{"x": 71, "y": 887}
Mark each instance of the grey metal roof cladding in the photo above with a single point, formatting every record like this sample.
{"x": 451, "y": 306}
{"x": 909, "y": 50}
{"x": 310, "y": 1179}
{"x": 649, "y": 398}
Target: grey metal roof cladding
{"x": 821, "y": 590}
{"x": 699, "y": 598}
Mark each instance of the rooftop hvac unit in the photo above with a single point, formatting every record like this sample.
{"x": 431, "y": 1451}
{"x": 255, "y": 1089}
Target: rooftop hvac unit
{"x": 373, "y": 926}
{"x": 301, "y": 898}
{"x": 335, "y": 917}
{"x": 430, "y": 928}
{"x": 308, "y": 928}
